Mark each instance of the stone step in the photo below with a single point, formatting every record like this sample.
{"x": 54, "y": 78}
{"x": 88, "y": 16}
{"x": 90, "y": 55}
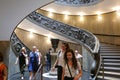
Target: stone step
{"x": 111, "y": 57}
{"x": 111, "y": 65}
{"x": 112, "y": 69}
{"x": 110, "y": 73}
{"x": 111, "y": 54}
{"x": 112, "y": 60}
{"x": 106, "y": 47}
{"x": 109, "y": 51}
{"x": 107, "y": 78}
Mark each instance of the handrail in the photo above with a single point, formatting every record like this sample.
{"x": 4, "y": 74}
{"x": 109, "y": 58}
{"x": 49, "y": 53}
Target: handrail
{"x": 99, "y": 66}
{"x": 17, "y": 44}
{"x": 40, "y": 69}
{"x": 103, "y": 68}
{"x": 81, "y": 36}
{"x": 77, "y": 3}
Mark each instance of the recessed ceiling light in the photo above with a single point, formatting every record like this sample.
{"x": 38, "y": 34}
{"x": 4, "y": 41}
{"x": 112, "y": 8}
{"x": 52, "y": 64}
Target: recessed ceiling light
{"x": 51, "y": 10}
{"x": 98, "y": 12}
{"x": 116, "y": 8}
{"x": 66, "y": 12}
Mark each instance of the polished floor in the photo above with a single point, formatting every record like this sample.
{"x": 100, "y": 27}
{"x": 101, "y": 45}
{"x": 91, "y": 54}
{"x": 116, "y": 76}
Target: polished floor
{"x": 18, "y": 77}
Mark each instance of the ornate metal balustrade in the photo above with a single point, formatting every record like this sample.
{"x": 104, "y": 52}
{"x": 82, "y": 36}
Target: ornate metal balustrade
{"x": 77, "y": 2}
{"x": 81, "y": 36}
{"x": 16, "y": 44}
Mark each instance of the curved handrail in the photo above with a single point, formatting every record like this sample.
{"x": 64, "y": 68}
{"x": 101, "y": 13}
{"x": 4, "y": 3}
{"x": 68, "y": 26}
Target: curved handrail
{"x": 77, "y": 2}
{"x": 98, "y": 60}
{"x": 39, "y": 70}
{"x": 81, "y": 36}
{"x": 17, "y": 44}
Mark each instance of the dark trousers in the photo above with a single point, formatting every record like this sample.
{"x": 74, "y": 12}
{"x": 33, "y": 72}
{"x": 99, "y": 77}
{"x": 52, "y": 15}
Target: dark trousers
{"x": 59, "y": 72}
{"x": 22, "y": 67}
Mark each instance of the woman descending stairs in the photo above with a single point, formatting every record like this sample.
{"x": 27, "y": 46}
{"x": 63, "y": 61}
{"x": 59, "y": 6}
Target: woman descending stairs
{"x": 110, "y": 67}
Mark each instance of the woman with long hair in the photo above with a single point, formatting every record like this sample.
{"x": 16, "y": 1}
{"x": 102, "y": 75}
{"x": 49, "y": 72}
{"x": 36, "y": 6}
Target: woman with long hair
{"x": 71, "y": 67}
{"x": 59, "y": 61}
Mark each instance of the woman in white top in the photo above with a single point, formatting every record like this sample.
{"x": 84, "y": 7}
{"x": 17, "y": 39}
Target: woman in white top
{"x": 59, "y": 61}
{"x": 71, "y": 67}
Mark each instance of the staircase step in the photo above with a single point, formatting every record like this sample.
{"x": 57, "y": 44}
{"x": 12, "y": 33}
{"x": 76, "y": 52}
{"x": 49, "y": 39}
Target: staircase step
{"x": 107, "y": 78}
{"x": 111, "y": 57}
{"x": 110, "y": 73}
{"x": 112, "y": 60}
{"x": 112, "y": 48}
{"x": 110, "y": 54}
{"x": 111, "y": 64}
{"x": 109, "y": 51}
{"x": 112, "y": 69}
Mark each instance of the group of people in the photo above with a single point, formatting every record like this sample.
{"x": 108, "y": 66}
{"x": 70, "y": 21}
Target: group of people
{"x": 67, "y": 64}
{"x": 69, "y": 68}
{"x": 33, "y": 61}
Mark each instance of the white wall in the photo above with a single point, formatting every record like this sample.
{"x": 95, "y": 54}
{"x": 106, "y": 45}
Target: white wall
{"x": 13, "y": 11}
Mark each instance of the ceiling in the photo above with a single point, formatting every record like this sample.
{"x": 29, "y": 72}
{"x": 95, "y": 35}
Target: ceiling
{"x": 104, "y": 6}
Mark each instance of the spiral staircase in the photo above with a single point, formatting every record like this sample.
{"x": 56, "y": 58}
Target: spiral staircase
{"x": 80, "y": 36}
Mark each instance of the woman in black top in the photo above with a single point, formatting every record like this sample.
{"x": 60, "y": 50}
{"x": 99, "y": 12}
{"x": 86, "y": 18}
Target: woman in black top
{"x": 22, "y": 61}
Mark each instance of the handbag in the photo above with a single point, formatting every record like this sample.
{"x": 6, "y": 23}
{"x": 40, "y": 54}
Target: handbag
{"x": 68, "y": 78}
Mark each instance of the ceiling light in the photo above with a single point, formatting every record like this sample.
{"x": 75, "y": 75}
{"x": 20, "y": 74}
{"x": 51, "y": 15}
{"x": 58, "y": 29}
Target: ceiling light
{"x": 81, "y": 13}
{"x": 116, "y": 8}
{"x": 51, "y": 10}
{"x": 66, "y": 13}
{"x": 98, "y": 13}
{"x": 31, "y": 30}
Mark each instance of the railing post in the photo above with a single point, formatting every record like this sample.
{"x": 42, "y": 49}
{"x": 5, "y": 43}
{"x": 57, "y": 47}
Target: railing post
{"x": 103, "y": 67}
{"x": 41, "y": 72}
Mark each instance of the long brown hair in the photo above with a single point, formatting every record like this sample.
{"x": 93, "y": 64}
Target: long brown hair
{"x": 74, "y": 60}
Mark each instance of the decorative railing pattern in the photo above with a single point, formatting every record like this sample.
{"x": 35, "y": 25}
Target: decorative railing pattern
{"x": 77, "y": 2}
{"x": 79, "y": 35}
{"x": 16, "y": 44}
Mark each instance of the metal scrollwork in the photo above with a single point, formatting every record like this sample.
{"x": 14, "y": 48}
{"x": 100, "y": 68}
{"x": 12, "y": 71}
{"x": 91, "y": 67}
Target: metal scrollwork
{"x": 77, "y": 2}
{"x": 79, "y": 35}
{"x": 16, "y": 44}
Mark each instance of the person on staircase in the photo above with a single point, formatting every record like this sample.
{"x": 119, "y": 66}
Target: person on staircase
{"x": 59, "y": 61}
{"x": 22, "y": 58}
{"x": 33, "y": 63}
{"x": 71, "y": 67}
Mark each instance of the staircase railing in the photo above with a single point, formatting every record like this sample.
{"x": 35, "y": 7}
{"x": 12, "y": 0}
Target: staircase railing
{"x": 17, "y": 44}
{"x": 39, "y": 72}
{"x": 81, "y": 36}
{"x": 102, "y": 68}
{"x": 78, "y": 35}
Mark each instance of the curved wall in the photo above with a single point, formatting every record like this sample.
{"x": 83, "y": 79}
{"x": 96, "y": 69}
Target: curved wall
{"x": 106, "y": 24}
{"x": 42, "y": 42}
